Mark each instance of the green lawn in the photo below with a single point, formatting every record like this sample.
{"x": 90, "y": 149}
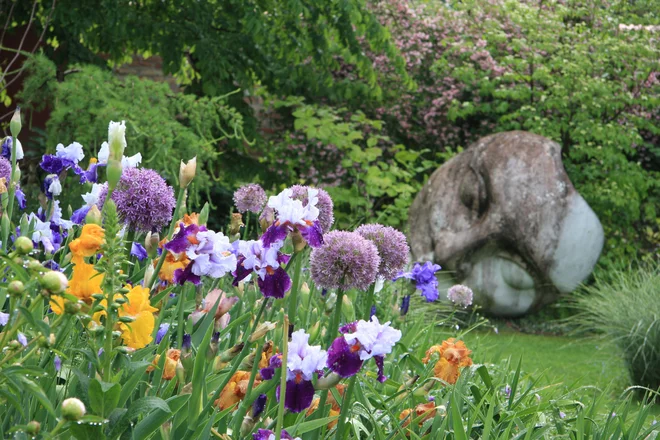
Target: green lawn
{"x": 559, "y": 360}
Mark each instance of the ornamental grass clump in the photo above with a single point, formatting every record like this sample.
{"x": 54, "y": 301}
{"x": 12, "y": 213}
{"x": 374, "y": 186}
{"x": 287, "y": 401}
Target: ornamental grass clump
{"x": 625, "y": 309}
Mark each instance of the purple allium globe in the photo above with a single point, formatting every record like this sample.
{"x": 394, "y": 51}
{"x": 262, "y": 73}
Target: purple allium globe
{"x": 325, "y": 206}
{"x": 345, "y": 261}
{"x": 144, "y": 200}
{"x": 392, "y": 248}
{"x": 250, "y": 197}
{"x": 460, "y": 295}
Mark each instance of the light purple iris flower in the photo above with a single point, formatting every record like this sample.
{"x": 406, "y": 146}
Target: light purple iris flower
{"x": 162, "y": 331}
{"x": 267, "y": 263}
{"x": 58, "y": 363}
{"x": 423, "y": 275}
{"x": 303, "y": 362}
{"x": 361, "y": 341}
{"x": 210, "y": 253}
{"x": 22, "y": 339}
{"x": 42, "y": 234}
{"x": 292, "y": 215}
{"x": 4, "y": 318}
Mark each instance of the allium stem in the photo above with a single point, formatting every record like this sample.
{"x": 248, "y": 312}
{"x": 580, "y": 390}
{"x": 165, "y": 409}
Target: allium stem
{"x": 285, "y": 351}
{"x": 345, "y": 403}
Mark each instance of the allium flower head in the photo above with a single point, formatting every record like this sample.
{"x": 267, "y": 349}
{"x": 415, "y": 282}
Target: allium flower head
{"x": 250, "y": 197}
{"x": 144, "y": 200}
{"x": 324, "y": 204}
{"x": 5, "y": 169}
{"x": 392, "y": 248}
{"x": 346, "y": 260}
{"x": 460, "y": 295}
{"x": 423, "y": 275}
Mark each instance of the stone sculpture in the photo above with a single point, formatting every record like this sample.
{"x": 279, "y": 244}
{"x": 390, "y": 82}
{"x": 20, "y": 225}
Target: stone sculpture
{"x": 503, "y": 218}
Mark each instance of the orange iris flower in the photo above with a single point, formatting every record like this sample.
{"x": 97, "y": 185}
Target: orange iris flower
{"x": 169, "y": 368}
{"x": 335, "y": 409}
{"x": 428, "y": 410}
{"x": 235, "y": 390}
{"x": 90, "y": 241}
{"x": 454, "y": 355}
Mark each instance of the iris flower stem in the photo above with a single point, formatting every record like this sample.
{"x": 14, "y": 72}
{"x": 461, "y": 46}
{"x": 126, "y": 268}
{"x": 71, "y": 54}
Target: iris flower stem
{"x": 180, "y": 324}
{"x": 332, "y": 331}
{"x": 285, "y": 352}
{"x": 242, "y": 409}
{"x": 246, "y": 347}
{"x": 12, "y": 193}
{"x": 295, "y": 287}
{"x": 175, "y": 219}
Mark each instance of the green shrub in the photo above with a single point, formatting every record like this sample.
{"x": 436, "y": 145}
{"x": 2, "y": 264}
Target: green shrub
{"x": 625, "y": 310}
{"x": 165, "y": 127}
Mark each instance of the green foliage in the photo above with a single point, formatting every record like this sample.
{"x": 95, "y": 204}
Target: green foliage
{"x": 570, "y": 74}
{"x": 369, "y": 177}
{"x": 624, "y": 308}
{"x": 165, "y": 127}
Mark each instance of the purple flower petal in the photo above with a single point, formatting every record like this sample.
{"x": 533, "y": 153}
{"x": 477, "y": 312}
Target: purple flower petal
{"x": 180, "y": 242}
{"x": 275, "y": 285}
{"x": 53, "y": 164}
{"x": 342, "y": 360}
{"x": 22, "y": 339}
{"x": 274, "y": 234}
{"x": 4, "y": 318}
{"x": 78, "y": 216}
{"x": 162, "y": 331}
{"x": 241, "y": 272}
{"x": 89, "y": 175}
{"x": 405, "y": 305}
{"x": 313, "y": 234}
{"x": 299, "y": 396}
{"x": 58, "y": 363}
{"x": 183, "y": 275}
{"x": 349, "y": 327}
{"x": 258, "y": 405}
{"x": 20, "y": 196}
{"x": 138, "y": 251}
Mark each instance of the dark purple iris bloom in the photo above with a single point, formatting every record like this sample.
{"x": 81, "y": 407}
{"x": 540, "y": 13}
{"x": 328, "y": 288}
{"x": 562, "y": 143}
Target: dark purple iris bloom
{"x": 180, "y": 243}
{"x": 254, "y": 256}
{"x": 6, "y": 148}
{"x": 424, "y": 278}
{"x": 186, "y": 345}
{"x": 372, "y": 312}
{"x": 405, "y": 305}
{"x": 264, "y": 434}
{"x": 53, "y": 164}
{"x": 50, "y": 182}
{"x": 361, "y": 341}
{"x": 268, "y": 372}
{"x": 137, "y": 250}
{"x": 52, "y": 265}
{"x": 303, "y": 362}
{"x": 258, "y": 405}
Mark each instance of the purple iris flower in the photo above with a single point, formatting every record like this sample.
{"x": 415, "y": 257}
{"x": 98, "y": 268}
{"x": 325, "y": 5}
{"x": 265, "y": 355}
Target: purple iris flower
{"x": 361, "y": 341}
{"x": 22, "y": 339}
{"x": 268, "y": 372}
{"x": 303, "y": 362}
{"x": 68, "y": 158}
{"x": 210, "y": 253}
{"x": 6, "y": 149}
{"x": 52, "y": 186}
{"x": 137, "y": 250}
{"x": 58, "y": 363}
{"x": 266, "y": 262}
{"x": 424, "y": 278}
{"x": 162, "y": 331}
{"x": 405, "y": 305}
{"x": 292, "y": 215}
{"x": 372, "y": 312}
{"x": 20, "y": 197}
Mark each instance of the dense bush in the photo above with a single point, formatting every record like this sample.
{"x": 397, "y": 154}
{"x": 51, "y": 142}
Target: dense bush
{"x": 626, "y": 311}
{"x": 165, "y": 127}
